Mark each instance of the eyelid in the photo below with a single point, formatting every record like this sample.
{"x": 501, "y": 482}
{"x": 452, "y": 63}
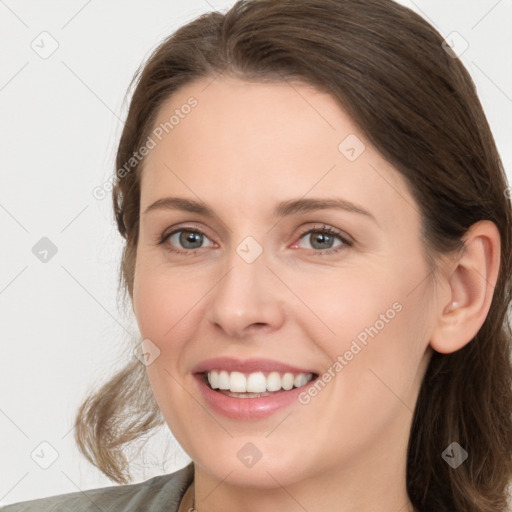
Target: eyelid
{"x": 164, "y": 238}
{"x": 347, "y": 239}
{"x": 187, "y": 227}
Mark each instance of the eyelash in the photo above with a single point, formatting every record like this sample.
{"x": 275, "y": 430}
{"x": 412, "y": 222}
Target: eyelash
{"x": 191, "y": 252}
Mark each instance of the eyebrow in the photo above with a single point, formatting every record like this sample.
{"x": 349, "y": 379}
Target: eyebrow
{"x": 283, "y": 209}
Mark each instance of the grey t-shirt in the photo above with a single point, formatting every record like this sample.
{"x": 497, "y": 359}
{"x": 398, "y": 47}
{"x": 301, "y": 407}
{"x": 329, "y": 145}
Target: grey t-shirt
{"x": 159, "y": 494}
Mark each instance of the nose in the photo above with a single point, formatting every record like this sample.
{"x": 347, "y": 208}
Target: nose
{"x": 247, "y": 300}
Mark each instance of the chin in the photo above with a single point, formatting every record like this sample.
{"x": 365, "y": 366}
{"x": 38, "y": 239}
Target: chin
{"x": 256, "y": 464}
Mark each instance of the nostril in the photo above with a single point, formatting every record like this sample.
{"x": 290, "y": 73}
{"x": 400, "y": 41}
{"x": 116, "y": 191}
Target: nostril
{"x": 258, "y": 324}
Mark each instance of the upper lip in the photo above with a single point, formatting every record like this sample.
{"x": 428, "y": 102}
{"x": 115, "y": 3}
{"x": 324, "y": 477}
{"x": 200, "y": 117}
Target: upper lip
{"x": 232, "y": 364}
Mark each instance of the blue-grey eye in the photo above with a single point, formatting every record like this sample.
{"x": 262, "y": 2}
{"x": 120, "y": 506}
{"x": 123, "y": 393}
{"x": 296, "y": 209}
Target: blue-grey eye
{"x": 320, "y": 239}
{"x": 187, "y": 239}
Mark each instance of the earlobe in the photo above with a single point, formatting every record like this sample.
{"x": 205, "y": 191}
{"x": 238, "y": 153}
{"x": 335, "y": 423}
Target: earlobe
{"x": 471, "y": 282}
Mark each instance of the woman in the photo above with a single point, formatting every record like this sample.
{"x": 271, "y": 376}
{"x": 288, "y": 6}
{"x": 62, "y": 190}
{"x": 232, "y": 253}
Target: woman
{"x": 318, "y": 242}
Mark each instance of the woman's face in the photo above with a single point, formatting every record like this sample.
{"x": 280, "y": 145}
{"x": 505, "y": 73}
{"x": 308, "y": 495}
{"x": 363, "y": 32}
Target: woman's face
{"x": 247, "y": 282}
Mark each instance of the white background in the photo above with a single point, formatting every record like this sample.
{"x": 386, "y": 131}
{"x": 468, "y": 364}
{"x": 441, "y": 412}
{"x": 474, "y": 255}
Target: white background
{"x": 62, "y": 330}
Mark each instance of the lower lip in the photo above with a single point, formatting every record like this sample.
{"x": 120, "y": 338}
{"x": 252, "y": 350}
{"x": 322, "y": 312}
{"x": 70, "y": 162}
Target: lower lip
{"x": 247, "y": 408}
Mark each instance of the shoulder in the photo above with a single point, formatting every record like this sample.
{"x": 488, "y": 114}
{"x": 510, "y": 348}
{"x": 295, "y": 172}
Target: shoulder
{"x": 161, "y": 493}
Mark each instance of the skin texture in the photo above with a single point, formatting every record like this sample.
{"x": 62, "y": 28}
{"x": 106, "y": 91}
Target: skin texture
{"x": 242, "y": 149}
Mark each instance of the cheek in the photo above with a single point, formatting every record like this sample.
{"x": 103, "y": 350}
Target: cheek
{"x": 163, "y": 301}
{"x": 374, "y": 354}
{"x": 344, "y": 307}
{"x": 371, "y": 320}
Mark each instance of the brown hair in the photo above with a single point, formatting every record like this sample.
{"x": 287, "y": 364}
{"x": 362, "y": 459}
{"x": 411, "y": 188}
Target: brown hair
{"x": 417, "y": 104}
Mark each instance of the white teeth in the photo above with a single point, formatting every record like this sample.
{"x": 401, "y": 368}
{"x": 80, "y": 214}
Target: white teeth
{"x": 300, "y": 380}
{"x": 273, "y": 381}
{"x": 213, "y": 379}
{"x": 287, "y": 381}
{"x": 256, "y": 382}
{"x": 237, "y": 382}
{"x": 223, "y": 380}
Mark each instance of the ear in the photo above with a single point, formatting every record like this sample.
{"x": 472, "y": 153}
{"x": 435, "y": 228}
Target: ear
{"x": 471, "y": 282}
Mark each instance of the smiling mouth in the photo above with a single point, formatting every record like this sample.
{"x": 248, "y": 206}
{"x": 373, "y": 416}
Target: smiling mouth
{"x": 255, "y": 384}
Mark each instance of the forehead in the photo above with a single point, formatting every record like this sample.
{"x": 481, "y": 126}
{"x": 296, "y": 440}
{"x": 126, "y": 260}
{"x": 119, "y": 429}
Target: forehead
{"x": 248, "y": 144}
